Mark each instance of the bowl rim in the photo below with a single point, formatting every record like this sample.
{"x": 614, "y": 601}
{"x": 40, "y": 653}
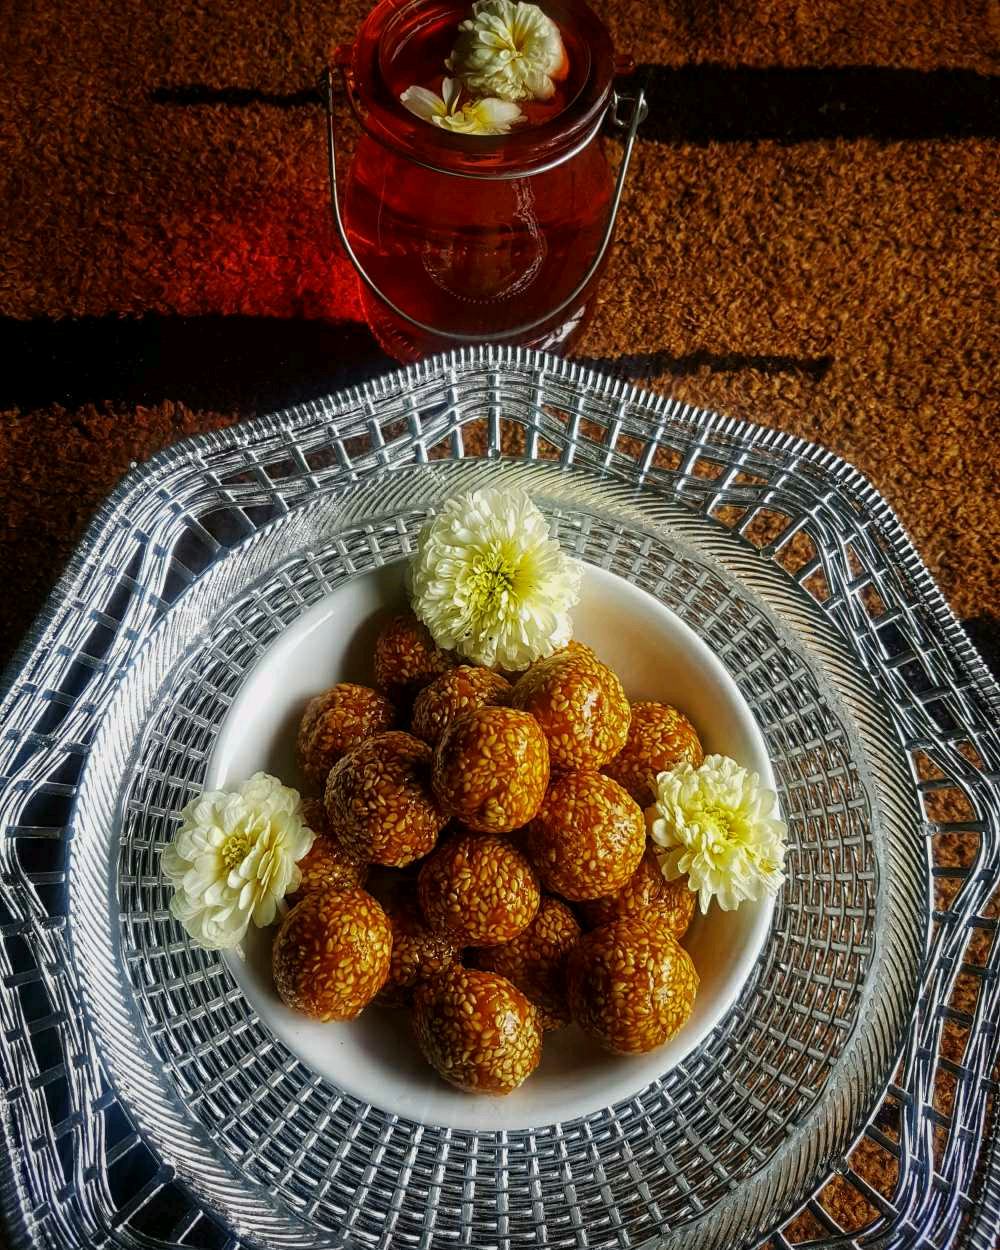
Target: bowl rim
{"x": 446, "y": 1107}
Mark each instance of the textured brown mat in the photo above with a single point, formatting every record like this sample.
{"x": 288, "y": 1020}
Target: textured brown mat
{"x": 835, "y": 278}
{"x": 809, "y": 239}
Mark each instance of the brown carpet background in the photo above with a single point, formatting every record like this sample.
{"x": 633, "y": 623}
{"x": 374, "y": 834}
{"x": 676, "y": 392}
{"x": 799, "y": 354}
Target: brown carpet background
{"x": 809, "y": 239}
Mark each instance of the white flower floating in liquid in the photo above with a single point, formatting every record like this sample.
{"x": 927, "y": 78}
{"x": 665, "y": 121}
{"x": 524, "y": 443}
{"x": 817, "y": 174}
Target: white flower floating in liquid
{"x": 234, "y": 858}
{"x": 478, "y": 117}
{"x": 490, "y": 582}
{"x": 509, "y": 50}
{"x": 717, "y": 824}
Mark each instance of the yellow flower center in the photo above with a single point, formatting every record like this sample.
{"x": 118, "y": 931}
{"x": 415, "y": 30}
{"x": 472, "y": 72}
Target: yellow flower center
{"x": 724, "y": 825}
{"x": 513, "y": 41}
{"x": 235, "y": 849}
{"x": 494, "y": 573}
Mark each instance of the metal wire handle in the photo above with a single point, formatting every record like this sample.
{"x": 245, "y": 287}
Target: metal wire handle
{"x": 632, "y": 122}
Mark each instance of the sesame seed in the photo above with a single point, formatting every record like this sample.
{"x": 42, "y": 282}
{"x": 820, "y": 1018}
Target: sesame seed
{"x": 335, "y": 722}
{"x": 535, "y": 960}
{"x": 461, "y": 689}
{"x": 580, "y": 705}
{"x": 630, "y": 984}
{"x": 331, "y": 954}
{"x": 477, "y": 1030}
{"x": 479, "y": 889}
{"x": 407, "y": 658}
{"x": 658, "y": 738}
{"x": 646, "y": 888}
{"x": 491, "y": 768}
{"x": 588, "y": 836}
{"x": 379, "y": 800}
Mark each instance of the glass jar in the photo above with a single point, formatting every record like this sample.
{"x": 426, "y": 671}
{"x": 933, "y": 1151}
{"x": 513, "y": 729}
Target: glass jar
{"x": 464, "y": 239}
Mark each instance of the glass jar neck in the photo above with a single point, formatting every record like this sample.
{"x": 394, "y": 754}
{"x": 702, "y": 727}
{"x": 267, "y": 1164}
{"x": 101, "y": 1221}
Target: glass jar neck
{"x": 520, "y": 153}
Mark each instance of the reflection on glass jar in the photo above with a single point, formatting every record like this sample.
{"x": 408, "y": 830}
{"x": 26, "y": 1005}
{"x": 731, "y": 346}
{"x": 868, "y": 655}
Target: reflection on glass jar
{"x": 470, "y": 269}
{"x": 475, "y": 237}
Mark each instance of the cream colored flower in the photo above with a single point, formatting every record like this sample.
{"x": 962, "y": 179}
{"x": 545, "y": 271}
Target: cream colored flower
{"x": 489, "y": 581}
{"x": 478, "y": 117}
{"x": 510, "y": 50}
{"x": 234, "y": 858}
{"x": 719, "y": 825}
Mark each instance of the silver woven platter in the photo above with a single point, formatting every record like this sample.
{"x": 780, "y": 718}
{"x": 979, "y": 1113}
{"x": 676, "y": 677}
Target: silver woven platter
{"x": 146, "y": 1104}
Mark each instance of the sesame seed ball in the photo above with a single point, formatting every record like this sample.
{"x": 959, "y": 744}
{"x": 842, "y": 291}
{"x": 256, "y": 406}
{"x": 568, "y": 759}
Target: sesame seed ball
{"x": 645, "y": 889}
{"x": 491, "y": 767}
{"x": 677, "y": 905}
{"x": 573, "y": 649}
{"x": 658, "y": 738}
{"x": 477, "y": 1030}
{"x": 461, "y": 689}
{"x": 581, "y": 706}
{"x": 326, "y": 865}
{"x": 576, "y": 650}
{"x": 535, "y": 961}
{"x": 335, "y": 722}
{"x": 588, "y": 837}
{"x": 407, "y": 658}
{"x": 631, "y": 985}
{"x": 479, "y": 889}
{"x": 418, "y": 953}
{"x": 331, "y": 955}
{"x": 379, "y": 800}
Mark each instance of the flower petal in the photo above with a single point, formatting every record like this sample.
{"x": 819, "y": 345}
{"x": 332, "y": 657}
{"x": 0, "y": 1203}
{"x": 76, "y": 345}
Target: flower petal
{"x": 488, "y": 580}
{"x": 451, "y": 93}
{"x": 423, "y": 103}
{"x": 717, "y": 824}
{"x": 495, "y": 117}
{"x": 508, "y": 50}
{"x": 234, "y": 856}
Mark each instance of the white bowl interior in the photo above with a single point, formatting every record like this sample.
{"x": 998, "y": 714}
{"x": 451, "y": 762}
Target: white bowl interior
{"x": 374, "y": 1057}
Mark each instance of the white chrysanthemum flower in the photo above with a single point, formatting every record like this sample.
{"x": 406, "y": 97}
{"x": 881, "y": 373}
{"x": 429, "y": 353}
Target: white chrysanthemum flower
{"x": 509, "y": 50}
{"x": 234, "y": 858}
{"x": 490, "y": 582}
{"x": 478, "y": 117}
{"x": 718, "y": 824}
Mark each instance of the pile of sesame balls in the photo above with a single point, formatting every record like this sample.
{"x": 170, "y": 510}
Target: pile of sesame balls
{"x": 487, "y": 868}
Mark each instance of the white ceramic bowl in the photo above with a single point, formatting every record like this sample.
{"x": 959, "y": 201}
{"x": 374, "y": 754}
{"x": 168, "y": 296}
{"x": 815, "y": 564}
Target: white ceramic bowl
{"x": 374, "y": 1057}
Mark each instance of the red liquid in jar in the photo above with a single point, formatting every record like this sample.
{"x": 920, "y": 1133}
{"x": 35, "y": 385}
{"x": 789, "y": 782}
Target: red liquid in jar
{"x": 473, "y": 255}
